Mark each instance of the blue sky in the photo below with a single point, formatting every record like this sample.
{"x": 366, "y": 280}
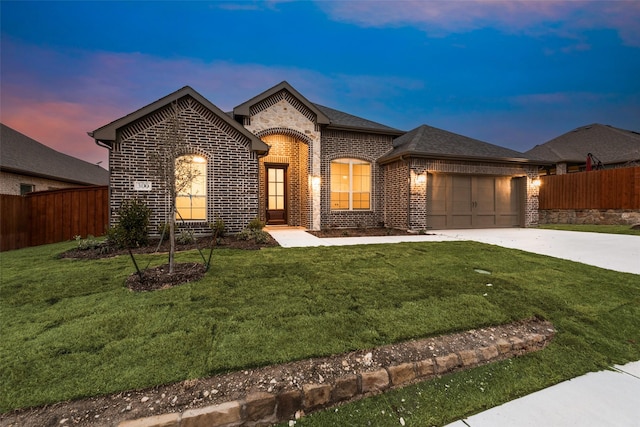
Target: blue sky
{"x": 512, "y": 73}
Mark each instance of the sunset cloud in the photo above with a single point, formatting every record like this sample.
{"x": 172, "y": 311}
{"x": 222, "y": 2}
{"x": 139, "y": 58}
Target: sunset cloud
{"x": 439, "y": 18}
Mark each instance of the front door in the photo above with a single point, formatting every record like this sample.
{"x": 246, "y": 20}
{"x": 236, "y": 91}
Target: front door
{"x": 276, "y": 195}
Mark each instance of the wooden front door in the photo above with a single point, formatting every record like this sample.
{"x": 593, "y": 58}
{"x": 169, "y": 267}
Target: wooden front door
{"x": 276, "y": 194}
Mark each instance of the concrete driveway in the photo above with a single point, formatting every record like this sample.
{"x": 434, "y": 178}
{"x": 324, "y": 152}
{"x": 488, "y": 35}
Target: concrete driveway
{"x": 611, "y": 251}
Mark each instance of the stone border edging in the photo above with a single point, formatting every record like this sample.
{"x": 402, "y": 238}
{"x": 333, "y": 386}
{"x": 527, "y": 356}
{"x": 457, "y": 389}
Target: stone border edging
{"x": 263, "y": 409}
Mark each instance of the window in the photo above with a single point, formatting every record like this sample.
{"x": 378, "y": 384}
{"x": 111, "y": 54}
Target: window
{"x": 350, "y": 184}
{"x": 191, "y": 188}
{"x": 26, "y": 188}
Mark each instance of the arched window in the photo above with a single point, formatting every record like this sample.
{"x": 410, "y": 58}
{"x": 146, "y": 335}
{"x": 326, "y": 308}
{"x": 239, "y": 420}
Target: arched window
{"x": 350, "y": 184}
{"x": 191, "y": 188}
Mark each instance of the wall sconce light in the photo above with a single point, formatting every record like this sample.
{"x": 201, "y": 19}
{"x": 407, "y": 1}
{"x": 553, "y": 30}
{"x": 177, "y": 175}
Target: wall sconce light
{"x": 421, "y": 179}
{"x": 536, "y": 183}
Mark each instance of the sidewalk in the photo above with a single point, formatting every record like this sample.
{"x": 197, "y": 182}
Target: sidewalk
{"x": 605, "y": 398}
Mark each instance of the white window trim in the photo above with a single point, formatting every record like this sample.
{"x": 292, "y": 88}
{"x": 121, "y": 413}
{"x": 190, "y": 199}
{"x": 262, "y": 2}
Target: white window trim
{"x": 351, "y": 161}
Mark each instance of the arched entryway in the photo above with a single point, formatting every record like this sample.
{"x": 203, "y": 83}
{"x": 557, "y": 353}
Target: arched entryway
{"x": 284, "y": 181}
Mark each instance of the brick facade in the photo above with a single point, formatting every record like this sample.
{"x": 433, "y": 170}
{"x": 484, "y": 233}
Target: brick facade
{"x": 369, "y": 147}
{"x": 300, "y": 139}
{"x": 232, "y": 168}
{"x": 407, "y": 188}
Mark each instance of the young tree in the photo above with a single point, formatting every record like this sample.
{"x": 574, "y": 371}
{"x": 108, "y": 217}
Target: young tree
{"x": 171, "y": 164}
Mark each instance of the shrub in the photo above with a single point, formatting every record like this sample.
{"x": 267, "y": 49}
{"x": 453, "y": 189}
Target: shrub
{"x": 261, "y": 236}
{"x": 89, "y": 243}
{"x": 218, "y": 228}
{"x": 255, "y": 224}
{"x": 185, "y": 237}
{"x": 131, "y": 230}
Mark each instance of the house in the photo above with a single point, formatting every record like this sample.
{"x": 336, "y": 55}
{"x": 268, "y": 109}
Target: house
{"x": 591, "y": 146}
{"x": 27, "y": 165}
{"x": 285, "y": 160}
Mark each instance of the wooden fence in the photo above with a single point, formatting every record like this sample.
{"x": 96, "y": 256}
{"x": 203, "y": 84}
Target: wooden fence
{"x": 601, "y": 189}
{"x": 52, "y": 216}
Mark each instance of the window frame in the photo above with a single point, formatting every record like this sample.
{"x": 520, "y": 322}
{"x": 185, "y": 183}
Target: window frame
{"x": 184, "y": 195}
{"x": 350, "y": 161}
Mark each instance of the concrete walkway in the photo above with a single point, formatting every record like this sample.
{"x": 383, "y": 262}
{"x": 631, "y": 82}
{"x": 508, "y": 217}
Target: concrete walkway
{"x": 606, "y": 398}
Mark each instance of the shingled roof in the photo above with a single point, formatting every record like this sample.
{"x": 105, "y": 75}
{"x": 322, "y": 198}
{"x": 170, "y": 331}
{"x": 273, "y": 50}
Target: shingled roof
{"x": 427, "y": 141}
{"x": 26, "y": 156}
{"x": 341, "y": 120}
{"x": 609, "y": 144}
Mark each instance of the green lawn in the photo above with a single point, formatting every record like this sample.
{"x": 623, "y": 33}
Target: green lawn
{"x": 591, "y": 228}
{"x": 71, "y": 329}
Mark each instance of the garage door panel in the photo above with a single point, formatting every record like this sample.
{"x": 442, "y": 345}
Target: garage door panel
{"x": 466, "y": 201}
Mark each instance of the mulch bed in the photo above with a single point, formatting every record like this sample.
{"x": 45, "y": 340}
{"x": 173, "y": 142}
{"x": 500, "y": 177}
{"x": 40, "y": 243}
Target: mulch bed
{"x": 159, "y": 278}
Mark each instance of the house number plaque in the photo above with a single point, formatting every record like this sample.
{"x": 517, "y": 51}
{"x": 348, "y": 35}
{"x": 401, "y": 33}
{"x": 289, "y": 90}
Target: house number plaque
{"x": 142, "y": 185}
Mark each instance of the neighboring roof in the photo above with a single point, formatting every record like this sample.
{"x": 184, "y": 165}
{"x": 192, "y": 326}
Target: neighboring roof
{"x": 427, "y": 141}
{"x": 107, "y": 134}
{"x": 244, "y": 109}
{"x": 26, "y": 156}
{"x": 607, "y": 143}
{"x": 341, "y": 120}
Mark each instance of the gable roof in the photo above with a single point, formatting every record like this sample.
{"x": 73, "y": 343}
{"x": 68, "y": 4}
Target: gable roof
{"x": 244, "y": 109}
{"x": 607, "y": 143}
{"x": 26, "y": 156}
{"x": 107, "y": 134}
{"x": 333, "y": 119}
{"x": 430, "y": 142}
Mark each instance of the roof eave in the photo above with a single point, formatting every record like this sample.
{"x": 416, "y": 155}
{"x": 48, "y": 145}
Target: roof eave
{"x": 45, "y": 176}
{"x": 511, "y": 160}
{"x": 392, "y": 132}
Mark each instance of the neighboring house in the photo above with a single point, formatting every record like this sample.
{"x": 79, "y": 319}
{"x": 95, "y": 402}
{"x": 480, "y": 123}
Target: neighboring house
{"x": 592, "y": 146}
{"x": 285, "y": 160}
{"x": 27, "y": 165}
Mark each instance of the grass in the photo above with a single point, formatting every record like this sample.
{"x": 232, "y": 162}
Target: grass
{"x": 591, "y": 228}
{"x": 70, "y": 328}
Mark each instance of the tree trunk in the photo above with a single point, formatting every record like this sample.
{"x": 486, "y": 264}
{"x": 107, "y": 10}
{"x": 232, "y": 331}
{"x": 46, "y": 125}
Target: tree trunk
{"x": 172, "y": 238}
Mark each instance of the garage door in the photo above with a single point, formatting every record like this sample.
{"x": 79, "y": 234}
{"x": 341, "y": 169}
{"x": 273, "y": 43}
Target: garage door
{"x": 468, "y": 201}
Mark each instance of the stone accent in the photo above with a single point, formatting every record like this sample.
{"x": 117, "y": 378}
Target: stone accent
{"x": 590, "y": 216}
{"x": 260, "y": 406}
{"x": 267, "y": 409}
{"x": 375, "y": 381}
{"x": 165, "y": 420}
{"x": 488, "y": 353}
{"x": 288, "y": 403}
{"x": 468, "y": 357}
{"x": 402, "y": 374}
{"x": 425, "y": 368}
{"x": 213, "y": 416}
{"x": 345, "y": 388}
{"x": 447, "y": 363}
{"x": 316, "y": 395}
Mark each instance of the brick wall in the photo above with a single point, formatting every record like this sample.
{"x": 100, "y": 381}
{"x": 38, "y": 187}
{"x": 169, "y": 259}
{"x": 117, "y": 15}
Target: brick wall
{"x": 369, "y": 147}
{"x": 410, "y": 177}
{"x": 396, "y": 190}
{"x": 232, "y": 168}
